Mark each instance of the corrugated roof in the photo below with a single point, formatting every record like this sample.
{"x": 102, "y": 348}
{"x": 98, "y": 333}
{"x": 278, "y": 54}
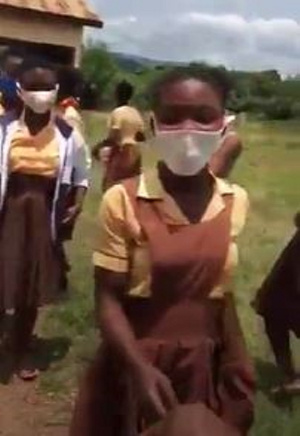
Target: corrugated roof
{"x": 76, "y": 9}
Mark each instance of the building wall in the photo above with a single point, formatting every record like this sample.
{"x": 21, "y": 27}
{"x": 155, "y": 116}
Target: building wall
{"x": 41, "y": 29}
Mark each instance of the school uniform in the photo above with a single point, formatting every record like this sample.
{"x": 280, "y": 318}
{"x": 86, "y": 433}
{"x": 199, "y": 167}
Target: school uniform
{"x": 36, "y": 173}
{"x": 178, "y": 302}
{"x": 125, "y": 157}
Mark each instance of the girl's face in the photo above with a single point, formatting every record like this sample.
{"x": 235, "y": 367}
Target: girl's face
{"x": 189, "y": 104}
{"x": 39, "y": 79}
{"x": 38, "y": 90}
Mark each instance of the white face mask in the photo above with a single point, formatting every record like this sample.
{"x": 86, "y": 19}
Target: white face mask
{"x": 186, "y": 152}
{"x": 39, "y": 102}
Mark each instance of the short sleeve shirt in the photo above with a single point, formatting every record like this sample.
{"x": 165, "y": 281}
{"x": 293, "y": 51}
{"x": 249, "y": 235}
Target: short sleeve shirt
{"x": 35, "y": 155}
{"x": 121, "y": 246}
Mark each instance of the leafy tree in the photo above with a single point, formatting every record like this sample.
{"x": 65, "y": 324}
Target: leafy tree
{"x": 264, "y": 93}
{"x": 99, "y": 68}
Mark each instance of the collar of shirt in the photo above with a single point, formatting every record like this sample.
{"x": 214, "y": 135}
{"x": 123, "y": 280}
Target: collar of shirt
{"x": 22, "y": 125}
{"x": 151, "y": 188}
{"x": 46, "y": 135}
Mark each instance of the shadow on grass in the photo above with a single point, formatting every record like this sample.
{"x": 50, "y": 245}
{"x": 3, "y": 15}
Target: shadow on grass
{"x": 45, "y": 352}
{"x": 268, "y": 377}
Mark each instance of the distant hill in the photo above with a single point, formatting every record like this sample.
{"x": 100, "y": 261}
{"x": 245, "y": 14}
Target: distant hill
{"x": 134, "y": 63}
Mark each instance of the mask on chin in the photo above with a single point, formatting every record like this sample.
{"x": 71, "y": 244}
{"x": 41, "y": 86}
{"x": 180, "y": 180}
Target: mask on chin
{"x": 187, "y": 152}
{"x": 39, "y": 102}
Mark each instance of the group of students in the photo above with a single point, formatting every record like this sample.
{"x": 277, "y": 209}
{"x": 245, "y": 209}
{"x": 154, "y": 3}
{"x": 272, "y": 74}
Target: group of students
{"x": 173, "y": 360}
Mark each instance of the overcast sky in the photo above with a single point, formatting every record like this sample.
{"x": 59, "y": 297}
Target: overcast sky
{"x": 248, "y": 34}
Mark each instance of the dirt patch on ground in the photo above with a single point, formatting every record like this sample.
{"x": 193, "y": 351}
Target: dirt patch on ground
{"x": 25, "y": 412}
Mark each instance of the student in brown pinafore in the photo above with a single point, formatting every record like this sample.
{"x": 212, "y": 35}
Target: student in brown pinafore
{"x": 165, "y": 255}
{"x": 120, "y": 152}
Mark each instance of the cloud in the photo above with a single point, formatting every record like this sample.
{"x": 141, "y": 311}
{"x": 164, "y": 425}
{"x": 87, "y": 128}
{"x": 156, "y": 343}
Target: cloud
{"x": 229, "y": 39}
{"x": 121, "y": 21}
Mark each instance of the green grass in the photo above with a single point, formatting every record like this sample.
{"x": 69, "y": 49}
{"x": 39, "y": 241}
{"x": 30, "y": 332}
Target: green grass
{"x": 269, "y": 170}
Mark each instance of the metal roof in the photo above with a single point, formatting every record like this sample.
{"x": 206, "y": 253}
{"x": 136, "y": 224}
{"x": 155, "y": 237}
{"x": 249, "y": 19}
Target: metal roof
{"x": 77, "y": 10}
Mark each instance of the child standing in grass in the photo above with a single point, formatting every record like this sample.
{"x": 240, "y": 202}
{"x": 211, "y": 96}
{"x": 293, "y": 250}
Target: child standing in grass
{"x": 120, "y": 152}
{"x": 278, "y": 302}
{"x": 41, "y": 159}
{"x": 163, "y": 265}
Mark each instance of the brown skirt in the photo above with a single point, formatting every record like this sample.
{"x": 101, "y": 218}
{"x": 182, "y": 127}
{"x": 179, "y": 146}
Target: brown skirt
{"x": 212, "y": 370}
{"x": 28, "y": 263}
{"x": 279, "y": 296}
{"x": 124, "y": 163}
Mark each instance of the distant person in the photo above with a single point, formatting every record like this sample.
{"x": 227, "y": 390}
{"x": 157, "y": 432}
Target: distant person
{"x": 41, "y": 160}
{"x": 90, "y": 96}
{"x": 120, "y": 152}
{"x": 70, "y": 88}
{"x": 69, "y": 96}
{"x": 11, "y": 61}
{"x": 164, "y": 261}
{"x": 10, "y": 65}
{"x": 9, "y": 97}
{"x": 278, "y": 302}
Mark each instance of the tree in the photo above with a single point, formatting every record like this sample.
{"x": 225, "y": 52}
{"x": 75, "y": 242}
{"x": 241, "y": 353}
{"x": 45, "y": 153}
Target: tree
{"x": 99, "y": 69}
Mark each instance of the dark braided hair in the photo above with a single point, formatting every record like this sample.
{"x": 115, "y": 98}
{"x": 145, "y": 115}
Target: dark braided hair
{"x": 217, "y": 78}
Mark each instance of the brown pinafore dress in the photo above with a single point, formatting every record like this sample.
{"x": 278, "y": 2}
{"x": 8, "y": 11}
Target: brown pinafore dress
{"x": 28, "y": 263}
{"x": 195, "y": 341}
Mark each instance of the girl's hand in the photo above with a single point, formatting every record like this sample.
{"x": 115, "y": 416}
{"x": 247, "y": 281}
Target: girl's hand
{"x": 154, "y": 390}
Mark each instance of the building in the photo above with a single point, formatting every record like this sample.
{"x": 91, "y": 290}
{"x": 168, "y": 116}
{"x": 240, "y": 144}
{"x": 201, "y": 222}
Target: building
{"x": 53, "y": 28}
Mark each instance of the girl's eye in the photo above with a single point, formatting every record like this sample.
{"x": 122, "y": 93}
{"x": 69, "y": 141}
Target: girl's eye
{"x": 170, "y": 119}
{"x": 206, "y": 116}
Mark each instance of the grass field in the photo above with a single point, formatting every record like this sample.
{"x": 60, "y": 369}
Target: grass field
{"x": 270, "y": 170}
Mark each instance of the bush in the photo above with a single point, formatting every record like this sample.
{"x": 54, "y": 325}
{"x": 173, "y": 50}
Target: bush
{"x": 296, "y": 110}
{"x": 278, "y": 109}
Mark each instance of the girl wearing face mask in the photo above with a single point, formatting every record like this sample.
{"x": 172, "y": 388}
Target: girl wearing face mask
{"x": 165, "y": 257}
{"x": 40, "y": 157}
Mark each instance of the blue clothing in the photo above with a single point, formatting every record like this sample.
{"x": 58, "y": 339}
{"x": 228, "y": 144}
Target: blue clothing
{"x": 8, "y": 88}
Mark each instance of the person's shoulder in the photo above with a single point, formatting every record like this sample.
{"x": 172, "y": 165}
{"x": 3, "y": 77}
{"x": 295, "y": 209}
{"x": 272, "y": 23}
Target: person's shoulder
{"x": 72, "y": 111}
{"x": 240, "y": 205}
{"x": 123, "y": 194}
{"x": 134, "y": 110}
{"x": 239, "y": 193}
{"x": 114, "y": 196}
{"x": 238, "y": 190}
{"x": 118, "y": 110}
{"x": 126, "y": 109}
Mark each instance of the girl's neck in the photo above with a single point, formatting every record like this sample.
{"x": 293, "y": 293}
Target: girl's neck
{"x": 36, "y": 122}
{"x": 192, "y": 194}
{"x": 121, "y": 103}
{"x": 199, "y": 183}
